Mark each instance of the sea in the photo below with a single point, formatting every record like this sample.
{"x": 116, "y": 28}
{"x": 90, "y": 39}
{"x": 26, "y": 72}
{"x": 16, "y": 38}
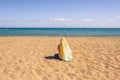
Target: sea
{"x": 59, "y": 31}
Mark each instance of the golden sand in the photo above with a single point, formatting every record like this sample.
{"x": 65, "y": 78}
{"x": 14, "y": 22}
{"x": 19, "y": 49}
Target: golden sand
{"x": 33, "y": 58}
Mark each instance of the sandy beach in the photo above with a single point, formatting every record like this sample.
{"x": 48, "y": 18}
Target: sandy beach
{"x": 33, "y": 58}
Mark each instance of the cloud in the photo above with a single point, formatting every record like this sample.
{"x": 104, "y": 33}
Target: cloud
{"x": 110, "y": 20}
{"x": 1, "y": 24}
{"x": 118, "y": 17}
{"x": 60, "y": 19}
{"x": 88, "y": 20}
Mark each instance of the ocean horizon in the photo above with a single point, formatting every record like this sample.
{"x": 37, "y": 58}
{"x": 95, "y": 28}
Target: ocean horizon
{"x": 59, "y": 31}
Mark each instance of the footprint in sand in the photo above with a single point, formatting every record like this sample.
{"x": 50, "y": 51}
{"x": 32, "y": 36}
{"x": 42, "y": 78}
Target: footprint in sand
{"x": 45, "y": 77}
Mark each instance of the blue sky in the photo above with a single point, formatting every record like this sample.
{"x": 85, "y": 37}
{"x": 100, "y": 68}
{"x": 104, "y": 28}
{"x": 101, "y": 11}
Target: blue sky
{"x": 59, "y": 13}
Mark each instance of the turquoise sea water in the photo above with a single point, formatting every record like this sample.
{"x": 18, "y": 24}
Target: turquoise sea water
{"x": 59, "y": 31}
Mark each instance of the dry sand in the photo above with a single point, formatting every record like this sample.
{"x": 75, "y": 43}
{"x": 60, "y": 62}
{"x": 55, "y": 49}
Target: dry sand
{"x": 32, "y": 58}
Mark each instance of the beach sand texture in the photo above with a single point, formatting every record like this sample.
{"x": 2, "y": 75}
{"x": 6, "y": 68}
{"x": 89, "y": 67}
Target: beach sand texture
{"x": 32, "y": 58}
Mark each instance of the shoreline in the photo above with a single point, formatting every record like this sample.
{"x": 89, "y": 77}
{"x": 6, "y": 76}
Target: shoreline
{"x": 52, "y": 36}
